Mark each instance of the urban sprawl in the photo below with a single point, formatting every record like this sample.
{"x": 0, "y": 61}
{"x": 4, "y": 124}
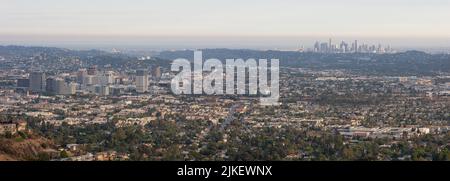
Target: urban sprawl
{"x": 84, "y": 110}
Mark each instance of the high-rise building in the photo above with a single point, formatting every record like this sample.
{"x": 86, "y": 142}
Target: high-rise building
{"x": 101, "y": 90}
{"x": 330, "y": 46}
{"x": 81, "y": 74}
{"x": 72, "y": 88}
{"x": 37, "y": 81}
{"x": 157, "y": 72}
{"x": 317, "y": 47}
{"x": 324, "y": 47}
{"x": 116, "y": 90}
{"x": 90, "y": 80}
{"x": 141, "y": 81}
{"x": 343, "y": 47}
{"x": 60, "y": 86}
{"x": 50, "y": 86}
{"x": 92, "y": 70}
{"x": 23, "y": 83}
{"x": 107, "y": 78}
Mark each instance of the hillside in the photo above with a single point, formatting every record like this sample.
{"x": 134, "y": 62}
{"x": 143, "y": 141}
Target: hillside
{"x": 33, "y": 148}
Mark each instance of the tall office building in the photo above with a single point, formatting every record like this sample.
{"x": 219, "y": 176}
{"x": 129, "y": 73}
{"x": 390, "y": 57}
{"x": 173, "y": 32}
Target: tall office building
{"x": 72, "y": 88}
{"x": 37, "y": 82}
{"x": 50, "y": 85}
{"x": 343, "y": 47}
{"x": 317, "y": 47}
{"x": 141, "y": 81}
{"x": 324, "y": 47}
{"x": 60, "y": 86}
{"x": 107, "y": 78}
{"x": 330, "y": 46}
{"x": 23, "y": 83}
{"x": 81, "y": 74}
{"x": 101, "y": 90}
{"x": 157, "y": 73}
{"x": 92, "y": 70}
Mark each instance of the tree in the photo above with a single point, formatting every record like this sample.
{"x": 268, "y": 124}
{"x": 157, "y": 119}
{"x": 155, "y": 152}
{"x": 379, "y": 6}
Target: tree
{"x": 64, "y": 154}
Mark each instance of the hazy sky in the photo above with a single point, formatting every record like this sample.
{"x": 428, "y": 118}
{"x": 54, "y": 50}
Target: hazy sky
{"x": 405, "y": 22}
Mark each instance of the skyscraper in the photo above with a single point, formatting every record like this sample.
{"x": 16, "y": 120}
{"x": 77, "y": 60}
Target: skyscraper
{"x": 81, "y": 74}
{"x": 330, "y": 49}
{"x": 343, "y": 47}
{"x": 50, "y": 85}
{"x": 324, "y": 47}
{"x": 60, "y": 86}
{"x": 107, "y": 78}
{"x": 101, "y": 90}
{"x": 157, "y": 73}
{"x": 37, "y": 82}
{"x": 72, "y": 88}
{"x": 23, "y": 83}
{"x": 317, "y": 47}
{"x": 142, "y": 81}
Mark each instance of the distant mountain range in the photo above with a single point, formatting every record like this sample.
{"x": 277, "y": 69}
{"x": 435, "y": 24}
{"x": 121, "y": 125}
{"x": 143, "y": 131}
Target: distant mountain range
{"x": 403, "y": 63}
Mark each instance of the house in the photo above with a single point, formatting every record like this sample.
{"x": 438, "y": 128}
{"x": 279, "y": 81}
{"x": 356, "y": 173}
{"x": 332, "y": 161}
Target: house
{"x": 21, "y": 125}
{"x": 12, "y": 126}
{"x": 72, "y": 147}
{"x": 7, "y": 128}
